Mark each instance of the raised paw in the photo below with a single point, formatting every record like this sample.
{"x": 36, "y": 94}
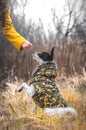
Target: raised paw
{"x": 19, "y": 89}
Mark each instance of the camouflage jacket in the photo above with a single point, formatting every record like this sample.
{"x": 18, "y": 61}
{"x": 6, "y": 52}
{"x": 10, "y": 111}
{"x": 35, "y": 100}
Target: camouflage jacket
{"x": 47, "y": 93}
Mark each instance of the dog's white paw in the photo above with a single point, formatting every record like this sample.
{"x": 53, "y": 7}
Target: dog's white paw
{"x": 19, "y": 89}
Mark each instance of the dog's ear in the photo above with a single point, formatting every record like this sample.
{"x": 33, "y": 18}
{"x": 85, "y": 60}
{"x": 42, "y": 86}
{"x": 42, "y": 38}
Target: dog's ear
{"x": 52, "y": 53}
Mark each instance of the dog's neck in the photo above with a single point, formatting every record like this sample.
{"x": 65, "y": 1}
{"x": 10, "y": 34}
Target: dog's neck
{"x": 45, "y": 65}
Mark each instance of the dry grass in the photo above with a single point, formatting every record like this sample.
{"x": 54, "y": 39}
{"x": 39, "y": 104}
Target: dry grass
{"x": 70, "y": 57}
{"x": 16, "y": 108}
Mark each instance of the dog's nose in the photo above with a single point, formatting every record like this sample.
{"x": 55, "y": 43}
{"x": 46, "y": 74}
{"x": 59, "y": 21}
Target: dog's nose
{"x": 32, "y": 54}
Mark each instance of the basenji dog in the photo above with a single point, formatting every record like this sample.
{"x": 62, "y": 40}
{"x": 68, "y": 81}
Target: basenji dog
{"x": 43, "y": 88}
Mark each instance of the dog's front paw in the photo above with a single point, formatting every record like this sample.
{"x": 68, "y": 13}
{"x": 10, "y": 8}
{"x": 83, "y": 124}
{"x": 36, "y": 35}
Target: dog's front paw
{"x": 20, "y": 89}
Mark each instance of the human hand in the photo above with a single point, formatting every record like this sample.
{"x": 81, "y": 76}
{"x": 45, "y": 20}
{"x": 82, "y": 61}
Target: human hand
{"x": 26, "y": 45}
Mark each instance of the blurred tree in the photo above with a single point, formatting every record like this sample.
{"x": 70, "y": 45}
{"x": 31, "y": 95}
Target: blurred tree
{"x": 65, "y": 26}
{"x": 80, "y": 27}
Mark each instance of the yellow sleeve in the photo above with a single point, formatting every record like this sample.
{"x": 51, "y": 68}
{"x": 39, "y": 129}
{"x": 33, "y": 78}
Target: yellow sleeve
{"x": 10, "y": 33}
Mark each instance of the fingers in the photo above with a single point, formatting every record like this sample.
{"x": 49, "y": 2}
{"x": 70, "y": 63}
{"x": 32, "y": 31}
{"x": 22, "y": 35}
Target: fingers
{"x": 26, "y": 45}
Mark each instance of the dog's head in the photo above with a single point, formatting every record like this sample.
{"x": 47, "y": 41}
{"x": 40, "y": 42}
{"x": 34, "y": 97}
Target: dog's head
{"x": 44, "y": 56}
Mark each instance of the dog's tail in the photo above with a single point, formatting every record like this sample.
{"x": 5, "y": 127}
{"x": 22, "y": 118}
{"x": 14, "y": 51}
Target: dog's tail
{"x": 60, "y": 111}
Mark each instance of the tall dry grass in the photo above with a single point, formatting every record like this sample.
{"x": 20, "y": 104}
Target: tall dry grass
{"x": 70, "y": 57}
{"x": 16, "y": 108}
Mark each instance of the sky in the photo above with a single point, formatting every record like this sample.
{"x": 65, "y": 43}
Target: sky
{"x": 42, "y": 9}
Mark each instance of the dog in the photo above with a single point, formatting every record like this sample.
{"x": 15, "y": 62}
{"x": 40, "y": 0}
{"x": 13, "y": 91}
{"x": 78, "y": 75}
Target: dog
{"x": 43, "y": 88}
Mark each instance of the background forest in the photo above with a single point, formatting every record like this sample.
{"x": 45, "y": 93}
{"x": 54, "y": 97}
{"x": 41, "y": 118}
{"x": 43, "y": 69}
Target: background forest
{"x": 70, "y": 55}
{"x": 69, "y": 42}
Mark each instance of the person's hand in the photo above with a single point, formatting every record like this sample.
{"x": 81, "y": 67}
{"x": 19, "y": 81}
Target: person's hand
{"x": 26, "y": 45}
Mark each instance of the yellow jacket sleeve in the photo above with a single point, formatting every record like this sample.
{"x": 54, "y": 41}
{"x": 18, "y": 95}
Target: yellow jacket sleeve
{"x": 10, "y": 33}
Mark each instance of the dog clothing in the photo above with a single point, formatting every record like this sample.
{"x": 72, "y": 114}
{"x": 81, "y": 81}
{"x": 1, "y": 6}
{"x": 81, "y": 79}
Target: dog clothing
{"x": 46, "y": 90}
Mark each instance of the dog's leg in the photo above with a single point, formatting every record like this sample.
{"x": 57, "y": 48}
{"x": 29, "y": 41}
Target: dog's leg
{"x": 34, "y": 108}
{"x": 29, "y": 89}
{"x": 20, "y": 87}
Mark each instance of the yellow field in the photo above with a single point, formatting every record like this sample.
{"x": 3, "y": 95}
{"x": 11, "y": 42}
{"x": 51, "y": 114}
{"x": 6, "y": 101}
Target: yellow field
{"x": 16, "y": 108}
